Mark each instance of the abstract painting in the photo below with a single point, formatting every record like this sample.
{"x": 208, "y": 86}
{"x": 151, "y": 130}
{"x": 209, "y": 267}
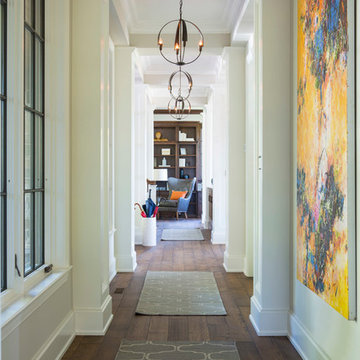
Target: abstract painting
{"x": 323, "y": 194}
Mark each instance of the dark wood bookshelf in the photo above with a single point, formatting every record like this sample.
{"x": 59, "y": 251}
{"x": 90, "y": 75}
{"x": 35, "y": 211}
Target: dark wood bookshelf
{"x": 170, "y": 130}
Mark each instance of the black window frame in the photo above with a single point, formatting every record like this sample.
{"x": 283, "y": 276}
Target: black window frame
{"x": 37, "y": 35}
{"x": 3, "y": 108}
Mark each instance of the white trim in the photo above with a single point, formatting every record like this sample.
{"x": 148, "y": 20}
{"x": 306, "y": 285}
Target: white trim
{"x": 218, "y": 237}
{"x": 94, "y": 321}
{"x": 50, "y": 349}
{"x": 303, "y": 342}
{"x": 112, "y": 270}
{"x": 268, "y": 322}
{"x": 126, "y": 263}
{"x": 21, "y": 309}
{"x": 234, "y": 263}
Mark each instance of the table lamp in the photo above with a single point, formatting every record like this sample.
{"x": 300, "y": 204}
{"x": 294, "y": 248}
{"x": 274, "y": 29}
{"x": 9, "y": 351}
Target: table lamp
{"x": 160, "y": 174}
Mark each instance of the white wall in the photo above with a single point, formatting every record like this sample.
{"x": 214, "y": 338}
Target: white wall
{"x": 52, "y": 315}
{"x": 45, "y": 301}
{"x": 316, "y": 329}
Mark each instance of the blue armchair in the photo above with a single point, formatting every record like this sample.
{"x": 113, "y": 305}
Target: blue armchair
{"x": 181, "y": 205}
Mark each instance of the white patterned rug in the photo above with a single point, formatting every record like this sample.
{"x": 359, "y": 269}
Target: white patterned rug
{"x": 182, "y": 234}
{"x": 180, "y": 293}
{"x": 163, "y": 350}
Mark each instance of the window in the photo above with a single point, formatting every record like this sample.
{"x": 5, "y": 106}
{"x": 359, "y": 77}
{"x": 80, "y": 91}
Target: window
{"x": 3, "y": 35}
{"x": 33, "y": 136}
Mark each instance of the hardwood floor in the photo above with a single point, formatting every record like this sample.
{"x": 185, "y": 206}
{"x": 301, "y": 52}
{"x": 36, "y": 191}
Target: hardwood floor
{"x": 235, "y": 290}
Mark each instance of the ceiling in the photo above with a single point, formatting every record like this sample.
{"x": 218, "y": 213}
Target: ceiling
{"x": 148, "y": 16}
{"x": 223, "y": 23}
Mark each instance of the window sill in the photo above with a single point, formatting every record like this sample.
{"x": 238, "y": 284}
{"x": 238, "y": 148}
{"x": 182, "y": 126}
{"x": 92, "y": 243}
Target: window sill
{"x": 23, "y": 305}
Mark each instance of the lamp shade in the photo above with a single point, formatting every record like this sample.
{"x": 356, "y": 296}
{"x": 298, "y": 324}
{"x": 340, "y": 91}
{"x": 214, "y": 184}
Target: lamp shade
{"x": 160, "y": 174}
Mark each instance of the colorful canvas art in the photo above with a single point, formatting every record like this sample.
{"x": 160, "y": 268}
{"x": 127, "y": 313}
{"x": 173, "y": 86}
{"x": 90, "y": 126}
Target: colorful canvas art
{"x": 322, "y": 150}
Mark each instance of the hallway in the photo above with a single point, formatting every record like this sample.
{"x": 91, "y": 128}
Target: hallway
{"x": 235, "y": 290}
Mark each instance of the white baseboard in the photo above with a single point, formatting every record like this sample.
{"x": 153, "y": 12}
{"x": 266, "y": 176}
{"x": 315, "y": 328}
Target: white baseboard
{"x": 94, "y": 321}
{"x": 233, "y": 263}
{"x": 268, "y": 322}
{"x": 303, "y": 342}
{"x": 59, "y": 341}
{"x": 248, "y": 268}
{"x": 218, "y": 237}
{"x": 126, "y": 263}
{"x": 112, "y": 269}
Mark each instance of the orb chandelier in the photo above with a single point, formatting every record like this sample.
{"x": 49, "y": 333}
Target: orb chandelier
{"x": 180, "y": 76}
{"x": 179, "y": 107}
{"x": 181, "y": 39}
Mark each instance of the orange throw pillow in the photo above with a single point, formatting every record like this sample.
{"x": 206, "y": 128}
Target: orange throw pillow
{"x": 176, "y": 195}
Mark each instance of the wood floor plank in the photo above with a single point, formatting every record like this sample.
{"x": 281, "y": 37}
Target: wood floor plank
{"x": 247, "y": 350}
{"x": 235, "y": 290}
{"x": 178, "y": 328}
{"x": 198, "y": 328}
{"x": 159, "y": 328}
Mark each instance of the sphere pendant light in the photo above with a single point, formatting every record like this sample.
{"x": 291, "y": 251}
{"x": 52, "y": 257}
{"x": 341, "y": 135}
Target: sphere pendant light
{"x": 181, "y": 40}
{"x": 179, "y": 107}
{"x": 180, "y": 78}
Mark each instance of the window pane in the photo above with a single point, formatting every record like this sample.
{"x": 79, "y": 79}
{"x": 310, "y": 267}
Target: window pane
{"x": 28, "y": 150}
{"x": 29, "y": 12}
{"x": 29, "y": 76}
{"x": 39, "y": 16}
{"x": 34, "y": 136}
{"x": 39, "y": 134}
{"x": 38, "y": 75}
{"x": 28, "y": 232}
{"x": 3, "y": 242}
{"x": 39, "y": 229}
{"x": 3, "y": 245}
{"x": 2, "y": 38}
{"x": 3, "y": 147}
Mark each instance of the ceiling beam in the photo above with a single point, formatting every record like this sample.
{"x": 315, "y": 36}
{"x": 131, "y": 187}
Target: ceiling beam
{"x": 166, "y": 111}
{"x": 243, "y": 28}
{"x": 118, "y": 25}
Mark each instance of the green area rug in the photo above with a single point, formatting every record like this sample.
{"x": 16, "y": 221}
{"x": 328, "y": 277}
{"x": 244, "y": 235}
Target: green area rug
{"x": 158, "y": 350}
{"x": 180, "y": 293}
{"x": 182, "y": 235}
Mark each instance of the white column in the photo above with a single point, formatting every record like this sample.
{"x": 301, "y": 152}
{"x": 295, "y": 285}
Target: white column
{"x": 270, "y": 303}
{"x": 124, "y": 160}
{"x": 251, "y": 158}
{"x": 234, "y": 256}
{"x": 112, "y": 260}
{"x": 220, "y": 155}
{"x": 140, "y": 156}
{"x": 149, "y": 113}
{"x": 89, "y": 189}
{"x": 206, "y": 162}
